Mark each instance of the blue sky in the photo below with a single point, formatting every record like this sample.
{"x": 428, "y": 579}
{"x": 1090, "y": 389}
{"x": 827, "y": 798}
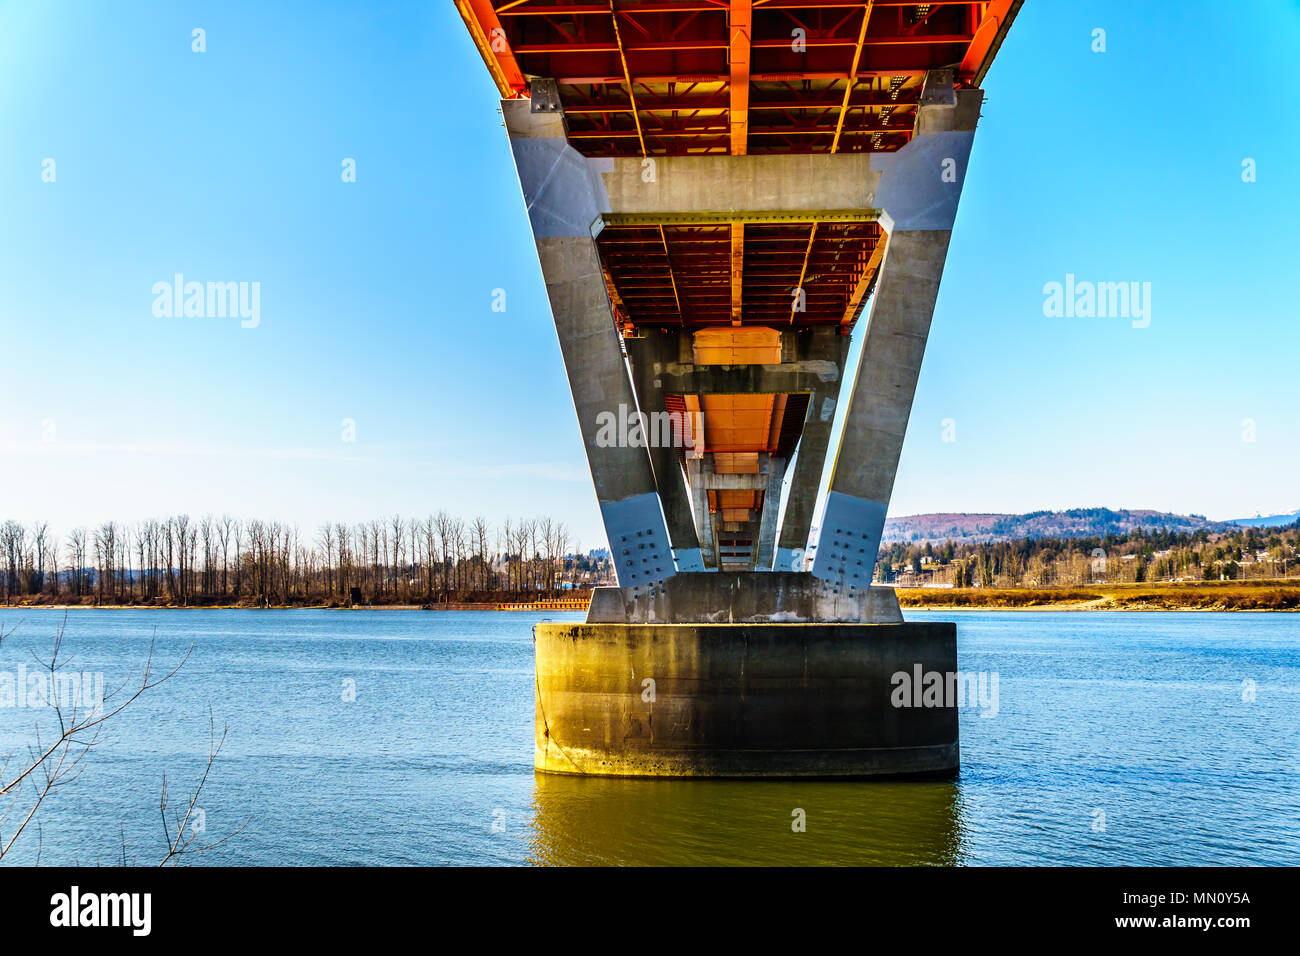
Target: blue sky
{"x": 376, "y": 295}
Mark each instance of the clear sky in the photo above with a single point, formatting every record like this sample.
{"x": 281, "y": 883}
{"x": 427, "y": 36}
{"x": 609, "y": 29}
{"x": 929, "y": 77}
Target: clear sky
{"x": 376, "y": 295}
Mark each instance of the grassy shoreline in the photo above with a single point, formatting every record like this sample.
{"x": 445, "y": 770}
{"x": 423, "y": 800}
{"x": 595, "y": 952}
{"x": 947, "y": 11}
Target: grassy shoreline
{"x": 1182, "y": 596}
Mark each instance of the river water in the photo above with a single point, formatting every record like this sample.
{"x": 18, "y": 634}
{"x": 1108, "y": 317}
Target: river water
{"x": 1119, "y": 738}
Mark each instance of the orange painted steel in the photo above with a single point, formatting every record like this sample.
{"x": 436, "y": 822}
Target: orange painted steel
{"x": 739, "y": 21}
{"x": 663, "y": 77}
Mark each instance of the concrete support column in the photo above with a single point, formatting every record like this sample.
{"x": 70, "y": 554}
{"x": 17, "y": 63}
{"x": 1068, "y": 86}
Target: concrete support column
{"x": 771, "y": 510}
{"x": 564, "y": 197}
{"x": 648, "y": 355}
{"x": 918, "y": 194}
{"x": 879, "y": 407}
{"x": 825, "y": 345}
{"x": 698, "y": 470}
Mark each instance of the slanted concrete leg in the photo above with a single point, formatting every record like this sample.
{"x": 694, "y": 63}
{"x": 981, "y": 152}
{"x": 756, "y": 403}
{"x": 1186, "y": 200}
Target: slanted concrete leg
{"x": 879, "y": 406}
{"x": 919, "y": 195}
{"x": 810, "y": 456}
{"x": 771, "y": 510}
{"x": 698, "y": 471}
{"x": 647, "y": 356}
{"x": 561, "y": 192}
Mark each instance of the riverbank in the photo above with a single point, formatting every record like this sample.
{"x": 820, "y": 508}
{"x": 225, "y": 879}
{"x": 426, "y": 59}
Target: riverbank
{"x": 1182, "y": 596}
{"x": 564, "y": 604}
{"x": 490, "y": 601}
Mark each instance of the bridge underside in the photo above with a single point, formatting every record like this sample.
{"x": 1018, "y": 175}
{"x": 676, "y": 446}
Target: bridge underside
{"x": 716, "y": 189}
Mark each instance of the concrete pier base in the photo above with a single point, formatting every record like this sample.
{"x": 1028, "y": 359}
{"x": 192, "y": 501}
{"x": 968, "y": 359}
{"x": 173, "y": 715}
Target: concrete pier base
{"x": 722, "y": 597}
{"x": 740, "y": 700}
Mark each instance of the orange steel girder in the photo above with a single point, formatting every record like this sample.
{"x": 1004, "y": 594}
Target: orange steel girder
{"x": 709, "y": 77}
{"x": 740, "y": 16}
{"x": 737, "y": 270}
{"x": 991, "y": 25}
{"x": 852, "y": 78}
{"x": 490, "y": 38}
{"x": 627, "y": 77}
{"x": 798, "y": 290}
{"x": 864, "y": 283}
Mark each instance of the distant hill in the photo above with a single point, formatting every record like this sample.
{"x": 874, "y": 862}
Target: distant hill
{"x": 1075, "y": 523}
{"x": 1267, "y": 521}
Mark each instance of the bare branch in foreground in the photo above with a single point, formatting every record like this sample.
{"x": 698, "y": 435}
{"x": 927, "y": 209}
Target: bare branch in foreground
{"x": 54, "y": 762}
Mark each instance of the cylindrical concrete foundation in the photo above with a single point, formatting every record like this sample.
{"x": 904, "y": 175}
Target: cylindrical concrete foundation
{"x": 742, "y": 700}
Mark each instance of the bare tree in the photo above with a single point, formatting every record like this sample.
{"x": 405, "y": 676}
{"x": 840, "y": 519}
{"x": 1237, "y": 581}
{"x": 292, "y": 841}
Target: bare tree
{"x": 265, "y": 562}
{"x": 12, "y": 543}
{"x": 480, "y": 545}
{"x": 77, "y": 552}
{"x": 54, "y": 761}
{"x": 105, "y": 549}
{"x": 398, "y": 527}
{"x": 326, "y": 538}
{"x": 428, "y": 529}
{"x": 224, "y": 529}
{"x": 208, "y": 536}
{"x": 186, "y": 842}
{"x": 40, "y": 536}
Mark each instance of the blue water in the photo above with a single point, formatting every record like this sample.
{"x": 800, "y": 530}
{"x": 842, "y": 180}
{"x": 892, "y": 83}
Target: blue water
{"x": 1139, "y": 716}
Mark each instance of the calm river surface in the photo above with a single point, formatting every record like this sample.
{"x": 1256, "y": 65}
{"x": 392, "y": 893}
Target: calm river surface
{"x": 1139, "y": 716}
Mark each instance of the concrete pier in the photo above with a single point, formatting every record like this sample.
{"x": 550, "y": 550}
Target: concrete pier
{"x": 709, "y": 241}
{"x": 740, "y": 700}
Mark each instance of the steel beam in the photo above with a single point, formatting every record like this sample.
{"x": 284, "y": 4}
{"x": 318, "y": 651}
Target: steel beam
{"x": 722, "y": 217}
{"x": 739, "y": 25}
{"x": 852, "y": 77}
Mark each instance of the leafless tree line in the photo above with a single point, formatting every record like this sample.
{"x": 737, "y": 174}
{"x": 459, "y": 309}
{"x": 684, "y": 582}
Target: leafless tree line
{"x": 217, "y": 560}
